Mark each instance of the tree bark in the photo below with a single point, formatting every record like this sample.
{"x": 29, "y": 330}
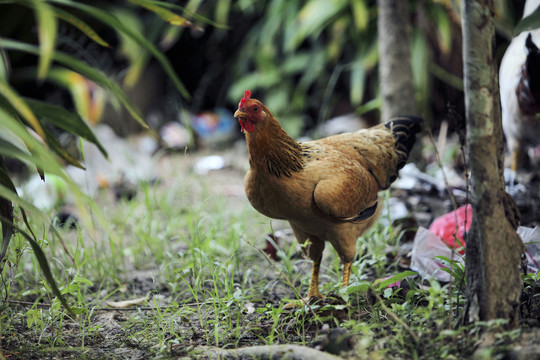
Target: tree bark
{"x": 493, "y": 247}
{"x": 395, "y": 71}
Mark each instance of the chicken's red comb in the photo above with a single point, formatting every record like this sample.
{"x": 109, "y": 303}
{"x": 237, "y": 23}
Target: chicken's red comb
{"x": 247, "y": 95}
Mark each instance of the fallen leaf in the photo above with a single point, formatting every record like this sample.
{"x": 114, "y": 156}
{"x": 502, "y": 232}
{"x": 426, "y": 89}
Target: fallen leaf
{"x": 126, "y": 303}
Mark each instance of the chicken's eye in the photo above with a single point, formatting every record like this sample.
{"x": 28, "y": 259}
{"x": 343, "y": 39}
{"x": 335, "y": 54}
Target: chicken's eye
{"x": 255, "y": 109}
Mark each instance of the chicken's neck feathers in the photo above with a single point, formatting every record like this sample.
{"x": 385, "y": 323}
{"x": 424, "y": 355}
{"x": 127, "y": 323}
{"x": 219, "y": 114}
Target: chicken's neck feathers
{"x": 272, "y": 149}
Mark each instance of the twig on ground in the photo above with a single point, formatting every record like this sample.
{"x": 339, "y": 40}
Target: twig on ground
{"x": 291, "y": 352}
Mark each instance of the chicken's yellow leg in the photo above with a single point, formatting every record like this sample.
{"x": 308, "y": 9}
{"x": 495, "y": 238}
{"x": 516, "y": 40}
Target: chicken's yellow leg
{"x": 314, "y": 282}
{"x": 346, "y": 273}
{"x": 313, "y": 287}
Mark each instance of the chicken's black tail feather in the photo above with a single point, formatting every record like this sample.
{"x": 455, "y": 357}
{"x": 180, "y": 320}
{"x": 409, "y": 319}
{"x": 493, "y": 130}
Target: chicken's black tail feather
{"x": 404, "y": 129}
{"x": 532, "y": 65}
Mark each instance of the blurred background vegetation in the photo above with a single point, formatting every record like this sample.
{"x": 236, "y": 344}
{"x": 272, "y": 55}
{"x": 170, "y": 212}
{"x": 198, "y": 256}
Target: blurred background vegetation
{"x": 308, "y": 60}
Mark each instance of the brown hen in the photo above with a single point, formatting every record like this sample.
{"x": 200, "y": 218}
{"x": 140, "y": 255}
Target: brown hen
{"x": 327, "y": 189}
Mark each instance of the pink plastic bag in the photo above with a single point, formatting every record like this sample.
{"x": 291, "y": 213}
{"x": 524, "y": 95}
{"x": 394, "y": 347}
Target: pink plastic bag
{"x": 445, "y": 227}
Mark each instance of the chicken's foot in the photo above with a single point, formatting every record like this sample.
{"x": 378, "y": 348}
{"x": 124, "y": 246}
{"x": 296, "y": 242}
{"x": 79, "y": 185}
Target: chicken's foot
{"x": 313, "y": 291}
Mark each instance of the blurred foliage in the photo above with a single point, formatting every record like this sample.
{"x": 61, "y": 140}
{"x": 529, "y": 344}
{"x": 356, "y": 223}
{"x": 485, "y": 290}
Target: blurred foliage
{"x": 529, "y": 22}
{"x": 309, "y": 60}
{"x": 320, "y": 57}
{"x": 30, "y": 59}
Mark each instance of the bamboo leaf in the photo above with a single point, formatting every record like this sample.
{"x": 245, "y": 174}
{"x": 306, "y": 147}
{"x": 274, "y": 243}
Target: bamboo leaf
{"x": 42, "y": 260}
{"x": 223, "y": 9}
{"x": 360, "y": 14}
{"x": 6, "y": 193}
{"x": 4, "y": 66}
{"x": 47, "y": 31}
{"x": 358, "y": 81}
{"x": 530, "y": 22}
{"x": 38, "y": 154}
{"x": 55, "y": 146}
{"x": 129, "y": 48}
{"x": 81, "y": 25}
{"x": 444, "y": 30}
{"x": 12, "y": 151}
{"x": 312, "y": 18}
{"x": 113, "y": 22}
{"x": 167, "y": 15}
{"x": 66, "y": 120}
{"x": 20, "y": 105}
{"x": 6, "y": 212}
{"x": 371, "y": 105}
{"x": 189, "y": 12}
{"x": 84, "y": 69}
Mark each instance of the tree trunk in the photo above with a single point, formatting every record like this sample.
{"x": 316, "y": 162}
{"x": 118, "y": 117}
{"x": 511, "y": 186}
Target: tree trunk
{"x": 493, "y": 247}
{"x": 395, "y": 71}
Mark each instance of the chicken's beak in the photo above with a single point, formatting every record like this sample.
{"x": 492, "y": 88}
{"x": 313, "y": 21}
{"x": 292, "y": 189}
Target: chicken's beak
{"x": 241, "y": 116}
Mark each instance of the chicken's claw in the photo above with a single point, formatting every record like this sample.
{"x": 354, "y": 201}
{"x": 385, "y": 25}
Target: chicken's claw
{"x": 308, "y": 300}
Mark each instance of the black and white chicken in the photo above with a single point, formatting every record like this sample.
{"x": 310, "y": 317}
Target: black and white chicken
{"x": 519, "y": 81}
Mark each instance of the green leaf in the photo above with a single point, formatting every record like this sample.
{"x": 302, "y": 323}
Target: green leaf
{"x": 55, "y": 146}
{"x": 189, "y": 12}
{"x": 368, "y": 106}
{"x": 81, "y": 25}
{"x": 7, "y": 193}
{"x": 20, "y": 105}
{"x": 420, "y": 64}
{"x": 530, "y": 22}
{"x": 107, "y": 18}
{"x": 66, "y": 120}
{"x": 134, "y": 53}
{"x": 84, "y": 69}
{"x": 4, "y": 66}
{"x": 361, "y": 287}
{"x": 47, "y": 31}
{"x": 313, "y": 17}
{"x": 40, "y": 156}
{"x": 444, "y": 29}
{"x": 360, "y": 14}
{"x": 167, "y": 15}
{"x": 358, "y": 81}
{"x": 6, "y": 212}
{"x": 398, "y": 277}
{"x": 42, "y": 260}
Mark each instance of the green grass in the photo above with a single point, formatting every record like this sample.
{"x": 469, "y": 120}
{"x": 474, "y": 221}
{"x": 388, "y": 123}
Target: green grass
{"x": 195, "y": 256}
